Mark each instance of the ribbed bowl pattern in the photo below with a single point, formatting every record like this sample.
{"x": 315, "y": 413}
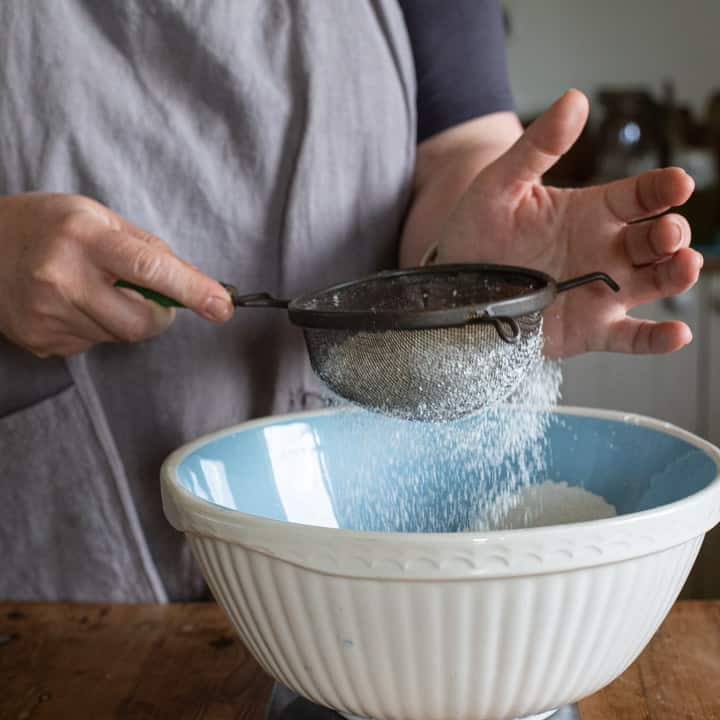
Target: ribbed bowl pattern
{"x": 475, "y": 649}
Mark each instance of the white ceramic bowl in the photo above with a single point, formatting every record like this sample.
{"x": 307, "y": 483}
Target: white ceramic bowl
{"x": 428, "y": 625}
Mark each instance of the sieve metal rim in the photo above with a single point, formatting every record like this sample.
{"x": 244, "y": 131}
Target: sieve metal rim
{"x": 302, "y": 313}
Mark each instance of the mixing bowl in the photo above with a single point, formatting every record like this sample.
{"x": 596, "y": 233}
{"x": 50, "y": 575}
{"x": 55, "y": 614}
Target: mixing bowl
{"x": 334, "y": 542}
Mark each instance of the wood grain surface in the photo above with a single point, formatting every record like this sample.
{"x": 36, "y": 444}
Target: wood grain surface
{"x": 183, "y": 662}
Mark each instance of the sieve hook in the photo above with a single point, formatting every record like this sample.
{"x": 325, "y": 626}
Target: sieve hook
{"x": 585, "y": 279}
{"x": 511, "y": 336}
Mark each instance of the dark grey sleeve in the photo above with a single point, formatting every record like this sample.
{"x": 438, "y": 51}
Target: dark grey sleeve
{"x": 459, "y": 52}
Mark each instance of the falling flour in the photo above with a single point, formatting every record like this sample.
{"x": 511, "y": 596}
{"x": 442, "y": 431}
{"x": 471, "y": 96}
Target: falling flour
{"x": 486, "y": 471}
{"x": 483, "y": 472}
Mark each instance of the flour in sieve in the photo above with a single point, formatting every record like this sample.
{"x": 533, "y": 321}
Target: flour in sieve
{"x": 427, "y": 375}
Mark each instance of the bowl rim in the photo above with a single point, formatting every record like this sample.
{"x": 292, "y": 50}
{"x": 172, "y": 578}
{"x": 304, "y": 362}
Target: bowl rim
{"x": 509, "y": 551}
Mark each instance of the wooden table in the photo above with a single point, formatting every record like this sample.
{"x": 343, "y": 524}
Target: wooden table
{"x": 183, "y": 662}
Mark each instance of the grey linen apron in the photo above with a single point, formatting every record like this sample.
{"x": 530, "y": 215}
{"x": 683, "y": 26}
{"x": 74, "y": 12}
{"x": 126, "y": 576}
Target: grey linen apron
{"x": 271, "y": 143}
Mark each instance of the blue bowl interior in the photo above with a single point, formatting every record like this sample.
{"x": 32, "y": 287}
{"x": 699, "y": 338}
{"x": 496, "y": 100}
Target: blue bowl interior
{"x": 362, "y": 471}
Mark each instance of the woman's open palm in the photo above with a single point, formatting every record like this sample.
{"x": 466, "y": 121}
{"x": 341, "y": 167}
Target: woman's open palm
{"x": 507, "y": 216}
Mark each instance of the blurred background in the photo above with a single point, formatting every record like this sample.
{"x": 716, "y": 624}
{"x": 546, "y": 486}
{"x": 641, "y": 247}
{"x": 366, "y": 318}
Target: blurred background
{"x": 651, "y": 69}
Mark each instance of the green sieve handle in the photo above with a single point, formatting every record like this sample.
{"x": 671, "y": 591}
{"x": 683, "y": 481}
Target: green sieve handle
{"x": 261, "y": 299}
{"x": 157, "y": 297}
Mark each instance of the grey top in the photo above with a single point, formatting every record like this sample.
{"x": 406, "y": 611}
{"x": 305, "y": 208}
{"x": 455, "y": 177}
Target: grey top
{"x": 271, "y": 143}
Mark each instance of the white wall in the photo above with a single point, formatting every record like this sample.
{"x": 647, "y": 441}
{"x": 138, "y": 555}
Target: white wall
{"x": 557, "y": 44}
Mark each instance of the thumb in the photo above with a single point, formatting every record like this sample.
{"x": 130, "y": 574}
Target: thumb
{"x": 160, "y": 317}
{"x": 544, "y": 142}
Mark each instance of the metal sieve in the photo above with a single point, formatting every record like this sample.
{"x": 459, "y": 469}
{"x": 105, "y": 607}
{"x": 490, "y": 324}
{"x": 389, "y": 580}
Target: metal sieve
{"x": 431, "y": 343}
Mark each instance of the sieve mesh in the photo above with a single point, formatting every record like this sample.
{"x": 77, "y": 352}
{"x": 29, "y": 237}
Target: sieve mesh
{"x": 434, "y": 374}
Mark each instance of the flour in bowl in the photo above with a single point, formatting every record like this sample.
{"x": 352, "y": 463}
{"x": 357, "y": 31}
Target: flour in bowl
{"x": 547, "y": 503}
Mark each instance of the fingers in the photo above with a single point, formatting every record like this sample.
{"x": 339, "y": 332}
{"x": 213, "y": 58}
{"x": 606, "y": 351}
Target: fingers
{"x": 63, "y": 335}
{"x": 65, "y": 252}
{"x": 653, "y": 240}
{"x": 664, "y": 279}
{"x": 136, "y": 261}
{"x": 542, "y": 144}
{"x": 648, "y": 194}
{"x": 148, "y": 238}
{"x": 105, "y": 314}
{"x": 128, "y": 317}
{"x": 631, "y": 335}
{"x": 119, "y": 223}
{"x": 83, "y": 326}
{"x": 61, "y": 346}
{"x": 141, "y": 234}
{"x": 68, "y": 345}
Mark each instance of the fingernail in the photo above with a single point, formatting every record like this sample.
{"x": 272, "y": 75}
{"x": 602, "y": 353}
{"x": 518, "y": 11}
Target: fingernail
{"x": 217, "y": 308}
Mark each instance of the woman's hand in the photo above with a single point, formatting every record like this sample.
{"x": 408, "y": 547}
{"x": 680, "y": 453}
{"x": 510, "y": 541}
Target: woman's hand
{"x": 507, "y": 216}
{"x": 59, "y": 258}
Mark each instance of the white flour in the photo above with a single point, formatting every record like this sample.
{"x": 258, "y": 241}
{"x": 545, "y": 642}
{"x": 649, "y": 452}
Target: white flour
{"x": 428, "y": 375}
{"x": 549, "y": 503}
{"x": 465, "y": 475}
{"x": 478, "y": 473}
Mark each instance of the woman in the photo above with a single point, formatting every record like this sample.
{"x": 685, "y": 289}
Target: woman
{"x": 280, "y": 146}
